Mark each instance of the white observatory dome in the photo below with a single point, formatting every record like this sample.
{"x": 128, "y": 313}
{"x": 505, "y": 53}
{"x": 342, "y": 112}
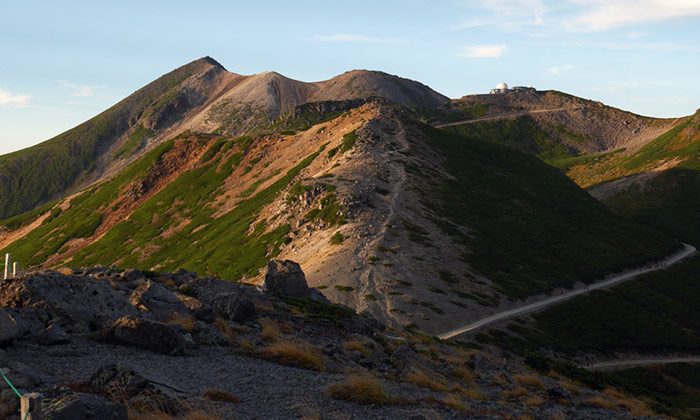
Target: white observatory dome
{"x": 502, "y": 86}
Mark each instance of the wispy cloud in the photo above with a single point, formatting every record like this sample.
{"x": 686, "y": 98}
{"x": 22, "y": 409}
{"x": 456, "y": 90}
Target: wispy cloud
{"x": 603, "y": 15}
{"x": 560, "y": 70}
{"x": 482, "y": 51}
{"x": 355, "y": 38}
{"x": 10, "y": 99}
{"x": 80, "y": 90}
{"x": 509, "y": 15}
{"x": 554, "y": 17}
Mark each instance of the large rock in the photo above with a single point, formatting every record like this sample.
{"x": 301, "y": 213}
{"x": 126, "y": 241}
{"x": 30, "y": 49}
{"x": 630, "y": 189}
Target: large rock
{"x": 225, "y": 297}
{"x": 156, "y": 300}
{"x": 74, "y": 299}
{"x": 8, "y": 327}
{"x": 149, "y": 335}
{"x": 84, "y": 407}
{"x": 285, "y": 278}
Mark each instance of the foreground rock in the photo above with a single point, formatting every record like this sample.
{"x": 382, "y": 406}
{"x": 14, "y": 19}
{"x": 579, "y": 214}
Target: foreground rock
{"x": 149, "y": 335}
{"x": 285, "y": 278}
{"x": 8, "y": 327}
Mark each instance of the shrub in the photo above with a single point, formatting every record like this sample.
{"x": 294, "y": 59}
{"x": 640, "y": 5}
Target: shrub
{"x": 337, "y": 239}
{"x": 344, "y": 288}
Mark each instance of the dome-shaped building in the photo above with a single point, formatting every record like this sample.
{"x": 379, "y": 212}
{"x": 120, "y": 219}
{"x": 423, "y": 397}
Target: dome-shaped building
{"x": 500, "y": 88}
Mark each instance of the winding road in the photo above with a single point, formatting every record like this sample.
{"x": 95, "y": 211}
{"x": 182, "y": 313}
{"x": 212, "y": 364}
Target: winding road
{"x": 622, "y": 364}
{"x": 506, "y": 115}
{"x": 627, "y": 275}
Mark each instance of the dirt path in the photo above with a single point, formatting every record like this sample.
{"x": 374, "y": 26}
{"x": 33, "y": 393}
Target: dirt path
{"x": 622, "y": 364}
{"x": 627, "y": 275}
{"x": 367, "y": 282}
{"x": 506, "y": 115}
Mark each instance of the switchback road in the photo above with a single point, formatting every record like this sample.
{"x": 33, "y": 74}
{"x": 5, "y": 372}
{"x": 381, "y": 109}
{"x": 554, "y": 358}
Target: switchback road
{"x": 627, "y": 275}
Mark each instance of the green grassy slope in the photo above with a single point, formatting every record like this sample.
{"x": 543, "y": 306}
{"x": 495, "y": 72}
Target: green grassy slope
{"x": 37, "y": 174}
{"x": 220, "y": 246}
{"x": 531, "y": 228}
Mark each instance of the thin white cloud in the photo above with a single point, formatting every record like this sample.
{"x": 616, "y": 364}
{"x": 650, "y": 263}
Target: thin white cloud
{"x": 80, "y": 90}
{"x": 508, "y": 15}
{"x": 603, "y": 15}
{"x": 482, "y": 51}
{"x": 355, "y": 38}
{"x": 10, "y": 99}
{"x": 560, "y": 70}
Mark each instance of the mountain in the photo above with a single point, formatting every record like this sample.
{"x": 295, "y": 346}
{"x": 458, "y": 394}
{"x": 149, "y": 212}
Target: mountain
{"x": 200, "y": 96}
{"x": 419, "y": 212}
{"x": 387, "y": 215}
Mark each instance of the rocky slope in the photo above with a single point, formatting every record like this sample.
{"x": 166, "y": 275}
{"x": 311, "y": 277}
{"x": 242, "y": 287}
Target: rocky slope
{"x": 102, "y": 343}
{"x": 386, "y": 215}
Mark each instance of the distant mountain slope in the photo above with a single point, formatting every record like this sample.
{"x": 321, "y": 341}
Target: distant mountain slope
{"x": 363, "y": 83}
{"x": 43, "y": 172}
{"x": 569, "y": 125}
{"x": 386, "y": 215}
{"x": 200, "y": 96}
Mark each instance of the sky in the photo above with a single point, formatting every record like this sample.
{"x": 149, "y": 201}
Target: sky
{"x": 62, "y": 63}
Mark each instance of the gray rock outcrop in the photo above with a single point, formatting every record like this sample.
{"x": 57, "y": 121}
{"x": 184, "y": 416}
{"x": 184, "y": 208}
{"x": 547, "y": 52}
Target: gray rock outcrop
{"x": 8, "y": 327}
{"x": 149, "y": 335}
{"x": 72, "y": 298}
{"x": 285, "y": 278}
{"x": 156, "y": 300}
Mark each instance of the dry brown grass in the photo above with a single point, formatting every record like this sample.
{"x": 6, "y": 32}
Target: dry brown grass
{"x": 224, "y": 329}
{"x": 474, "y": 394}
{"x": 246, "y": 345}
{"x": 359, "y": 346}
{"x": 637, "y": 407}
{"x": 600, "y": 402}
{"x": 514, "y": 393}
{"x": 529, "y": 380}
{"x": 570, "y": 386}
{"x": 270, "y": 332}
{"x": 533, "y": 401}
{"x": 455, "y": 402}
{"x": 463, "y": 374}
{"x": 422, "y": 379}
{"x": 301, "y": 355}
{"x": 220, "y": 395}
{"x": 363, "y": 389}
{"x": 498, "y": 379}
{"x": 186, "y": 321}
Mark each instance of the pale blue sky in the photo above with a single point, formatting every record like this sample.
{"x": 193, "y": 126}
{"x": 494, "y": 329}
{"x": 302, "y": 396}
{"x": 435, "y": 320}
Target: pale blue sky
{"x": 61, "y": 63}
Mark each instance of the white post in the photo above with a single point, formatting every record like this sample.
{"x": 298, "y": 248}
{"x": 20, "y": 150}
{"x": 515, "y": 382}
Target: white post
{"x": 15, "y": 269}
{"x": 7, "y": 266}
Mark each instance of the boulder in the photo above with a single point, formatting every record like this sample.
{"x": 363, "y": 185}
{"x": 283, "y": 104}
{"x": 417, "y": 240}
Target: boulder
{"x": 8, "y": 327}
{"x": 200, "y": 311}
{"x": 51, "y": 335}
{"x": 149, "y": 335}
{"x": 132, "y": 275}
{"x": 71, "y": 298}
{"x": 156, "y": 300}
{"x": 285, "y": 278}
{"x": 84, "y": 407}
{"x": 207, "y": 334}
{"x": 225, "y": 297}
{"x": 118, "y": 379}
